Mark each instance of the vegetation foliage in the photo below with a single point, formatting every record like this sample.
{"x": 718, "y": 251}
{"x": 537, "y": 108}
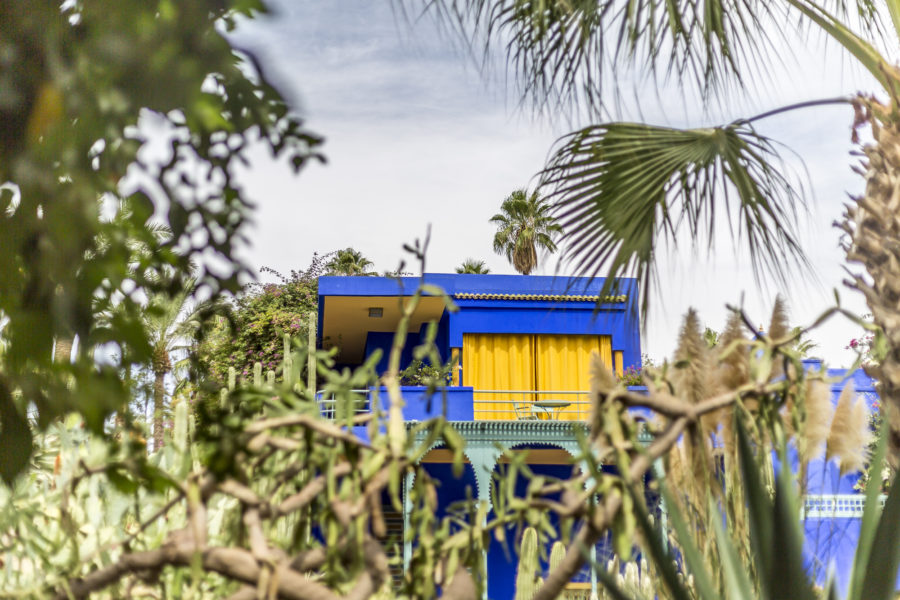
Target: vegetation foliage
{"x": 252, "y": 328}
{"x": 258, "y": 494}
{"x": 264, "y": 493}
{"x": 473, "y": 267}
{"x": 83, "y": 85}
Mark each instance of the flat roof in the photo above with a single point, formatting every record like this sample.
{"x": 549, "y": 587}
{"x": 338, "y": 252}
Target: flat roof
{"x": 454, "y": 284}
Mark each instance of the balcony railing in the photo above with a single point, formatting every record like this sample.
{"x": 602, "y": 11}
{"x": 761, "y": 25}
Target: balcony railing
{"x": 466, "y": 404}
{"x": 530, "y": 405}
{"x": 329, "y": 406}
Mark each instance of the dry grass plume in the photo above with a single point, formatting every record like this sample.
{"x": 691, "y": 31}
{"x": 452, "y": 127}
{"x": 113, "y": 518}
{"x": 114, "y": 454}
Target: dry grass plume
{"x": 848, "y": 439}
{"x": 811, "y": 439}
{"x": 603, "y": 382}
{"x": 778, "y": 330}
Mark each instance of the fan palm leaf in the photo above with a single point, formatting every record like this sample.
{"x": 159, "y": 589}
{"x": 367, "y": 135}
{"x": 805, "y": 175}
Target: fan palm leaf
{"x": 620, "y": 189}
{"x": 569, "y": 51}
{"x": 473, "y": 267}
{"x": 349, "y": 262}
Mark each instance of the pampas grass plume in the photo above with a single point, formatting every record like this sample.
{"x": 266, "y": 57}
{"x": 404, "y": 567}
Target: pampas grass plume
{"x": 840, "y": 424}
{"x": 778, "y": 326}
{"x": 856, "y": 453}
{"x": 690, "y": 380}
{"x": 818, "y": 418}
{"x": 778, "y": 330}
{"x": 602, "y": 383}
{"x": 734, "y": 368}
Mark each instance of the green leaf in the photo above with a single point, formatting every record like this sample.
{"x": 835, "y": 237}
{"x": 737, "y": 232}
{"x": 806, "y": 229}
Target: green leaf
{"x": 623, "y": 189}
{"x": 862, "y": 51}
{"x": 789, "y": 578}
{"x": 623, "y": 528}
{"x": 737, "y": 580}
{"x": 692, "y": 556}
{"x": 121, "y": 479}
{"x": 884, "y": 557}
{"x": 762, "y": 532}
{"x": 570, "y": 52}
{"x": 15, "y": 437}
{"x": 870, "y": 518}
{"x": 662, "y": 558}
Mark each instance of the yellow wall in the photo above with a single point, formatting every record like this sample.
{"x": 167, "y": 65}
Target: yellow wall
{"x": 498, "y": 362}
{"x": 530, "y": 362}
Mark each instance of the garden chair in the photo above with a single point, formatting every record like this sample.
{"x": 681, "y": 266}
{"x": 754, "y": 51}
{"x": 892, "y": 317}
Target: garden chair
{"x": 524, "y": 411}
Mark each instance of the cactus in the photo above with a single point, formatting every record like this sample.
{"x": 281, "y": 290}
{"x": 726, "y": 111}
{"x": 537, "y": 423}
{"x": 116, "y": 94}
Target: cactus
{"x": 557, "y": 554}
{"x": 527, "y": 579}
{"x": 647, "y": 587}
{"x": 634, "y": 578}
{"x": 288, "y": 372}
{"x": 180, "y": 436}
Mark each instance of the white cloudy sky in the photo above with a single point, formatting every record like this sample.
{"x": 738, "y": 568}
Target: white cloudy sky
{"x": 415, "y": 135}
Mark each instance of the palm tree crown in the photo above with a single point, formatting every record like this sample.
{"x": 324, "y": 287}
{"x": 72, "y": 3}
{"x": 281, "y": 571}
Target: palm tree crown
{"x": 349, "y": 262}
{"x": 524, "y": 224}
{"x": 473, "y": 267}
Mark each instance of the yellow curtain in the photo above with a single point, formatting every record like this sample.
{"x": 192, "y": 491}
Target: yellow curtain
{"x": 620, "y": 366}
{"x": 498, "y": 362}
{"x": 563, "y": 363}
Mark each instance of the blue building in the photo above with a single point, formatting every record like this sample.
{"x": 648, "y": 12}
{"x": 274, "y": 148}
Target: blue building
{"x": 523, "y": 346}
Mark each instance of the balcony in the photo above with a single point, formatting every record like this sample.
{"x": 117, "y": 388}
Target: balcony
{"x": 461, "y": 403}
{"x": 530, "y": 405}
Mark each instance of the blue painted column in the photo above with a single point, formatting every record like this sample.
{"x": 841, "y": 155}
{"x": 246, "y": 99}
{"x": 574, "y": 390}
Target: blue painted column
{"x": 483, "y": 457}
{"x": 407, "y": 509}
{"x": 659, "y": 471}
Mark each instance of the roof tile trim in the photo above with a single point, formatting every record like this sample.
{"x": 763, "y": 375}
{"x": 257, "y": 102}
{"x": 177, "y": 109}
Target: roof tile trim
{"x": 545, "y": 297}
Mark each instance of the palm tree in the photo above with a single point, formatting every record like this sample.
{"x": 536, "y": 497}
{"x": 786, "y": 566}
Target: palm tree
{"x": 524, "y": 224}
{"x": 349, "y": 262}
{"x": 170, "y": 321}
{"x": 473, "y": 267}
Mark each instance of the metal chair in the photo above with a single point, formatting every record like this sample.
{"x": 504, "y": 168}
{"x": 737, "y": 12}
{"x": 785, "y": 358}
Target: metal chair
{"x": 524, "y": 411}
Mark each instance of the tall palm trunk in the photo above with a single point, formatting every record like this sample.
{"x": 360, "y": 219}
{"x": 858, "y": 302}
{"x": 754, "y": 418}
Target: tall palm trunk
{"x": 159, "y": 407}
{"x": 874, "y": 229}
{"x": 524, "y": 258}
{"x": 62, "y": 349}
{"x": 162, "y": 364}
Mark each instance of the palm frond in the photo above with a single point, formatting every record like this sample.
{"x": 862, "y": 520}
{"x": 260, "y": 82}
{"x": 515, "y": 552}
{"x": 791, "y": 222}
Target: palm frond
{"x": 473, "y": 267}
{"x": 620, "y": 189}
{"x": 565, "y": 51}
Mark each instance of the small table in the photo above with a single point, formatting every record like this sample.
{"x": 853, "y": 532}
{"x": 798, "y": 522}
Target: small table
{"x": 551, "y": 408}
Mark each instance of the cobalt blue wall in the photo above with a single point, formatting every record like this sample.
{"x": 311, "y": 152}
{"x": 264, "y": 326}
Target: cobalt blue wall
{"x": 621, "y": 321}
{"x": 454, "y": 403}
{"x": 383, "y": 340}
{"x": 831, "y": 542}
{"x": 503, "y": 559}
